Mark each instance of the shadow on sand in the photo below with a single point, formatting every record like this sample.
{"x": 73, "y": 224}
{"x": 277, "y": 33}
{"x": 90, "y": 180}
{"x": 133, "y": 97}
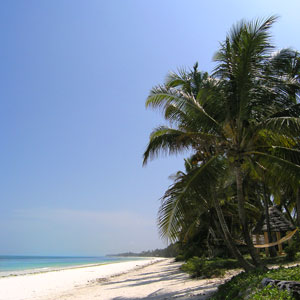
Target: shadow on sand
{"x": 171, "y": 273}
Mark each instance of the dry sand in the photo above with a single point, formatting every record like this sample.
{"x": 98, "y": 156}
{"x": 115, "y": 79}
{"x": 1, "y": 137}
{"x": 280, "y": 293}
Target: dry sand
{"x": 149, "y": 279}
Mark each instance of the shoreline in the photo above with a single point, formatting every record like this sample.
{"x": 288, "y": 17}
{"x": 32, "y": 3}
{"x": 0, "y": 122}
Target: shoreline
{"x": 54, "y": 282}
{"x": 30, "y": 271}
{"x": 155, "y": 279}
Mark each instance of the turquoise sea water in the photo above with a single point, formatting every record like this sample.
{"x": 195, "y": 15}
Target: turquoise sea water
{"x": 16, "y": 265}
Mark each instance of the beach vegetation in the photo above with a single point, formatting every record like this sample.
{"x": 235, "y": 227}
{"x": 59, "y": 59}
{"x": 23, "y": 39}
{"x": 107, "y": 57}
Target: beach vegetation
{"x": 201, "y": 267}
{"x": 241, "y": 125}
{"x": 271, "y": 293}
{"x": 179, "y": 257}
{"x": 248, "y": 285}
{"x": 291, "y": 251}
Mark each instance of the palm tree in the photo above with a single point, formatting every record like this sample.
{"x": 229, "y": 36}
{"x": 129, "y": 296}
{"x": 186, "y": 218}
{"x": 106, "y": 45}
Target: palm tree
{"x": 245, "y": 112}
{"x": 186, "y": 207}
{"x": 194, "y": 205}
{"x": 185, "y": 215}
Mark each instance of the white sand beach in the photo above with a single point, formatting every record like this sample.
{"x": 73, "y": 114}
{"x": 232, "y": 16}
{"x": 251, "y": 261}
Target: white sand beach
{"x": 142, "y": 279}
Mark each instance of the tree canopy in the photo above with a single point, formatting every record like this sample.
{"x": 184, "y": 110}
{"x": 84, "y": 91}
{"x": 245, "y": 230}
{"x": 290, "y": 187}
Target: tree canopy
{"x": 238, "y": 122}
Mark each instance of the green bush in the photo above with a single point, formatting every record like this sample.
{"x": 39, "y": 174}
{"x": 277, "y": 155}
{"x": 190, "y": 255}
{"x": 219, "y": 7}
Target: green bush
{"x": 233, "y": 289}
{"x": 201, "y": 267}
{"x": 271, "y": 293}
{"x": 223, "y": 263}
{"x": 179, "y": 257}
{"x": 240, "y": 286}
{"x": 291, "y": 251}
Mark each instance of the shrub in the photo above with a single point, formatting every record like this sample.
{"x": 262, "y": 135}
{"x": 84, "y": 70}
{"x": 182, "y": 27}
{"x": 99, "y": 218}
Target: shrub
{"x": 201, "y": 267}
{"x": 291, "y": 251}
{"x": 179, "y": 257}
{"x": 271, "y": 293}
{"x": 240, "y": 286}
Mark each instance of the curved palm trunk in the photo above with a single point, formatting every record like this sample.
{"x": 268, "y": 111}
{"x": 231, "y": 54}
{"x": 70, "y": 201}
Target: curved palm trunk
{"x": 228, "y": 238}
{"x": 272, "y": 249}
{"x": 243, "y": 218}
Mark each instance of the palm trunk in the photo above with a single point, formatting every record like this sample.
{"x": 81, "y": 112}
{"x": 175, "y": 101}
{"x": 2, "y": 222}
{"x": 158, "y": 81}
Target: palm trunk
{"x": 243, "y": 218}
{"x": 228, "y": 238}
{"x": 272, "y": 249}
{"x": 298, "y": 206}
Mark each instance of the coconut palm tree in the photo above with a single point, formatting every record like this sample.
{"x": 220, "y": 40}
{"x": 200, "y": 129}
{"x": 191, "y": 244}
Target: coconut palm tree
{"x": 184, "y": 214}
{"x": 246, "y": 111}
{"x": 186, "y": 207}
{"x": 191, "y": 206}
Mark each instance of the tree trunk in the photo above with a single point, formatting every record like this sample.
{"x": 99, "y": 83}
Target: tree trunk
{"x": 228, "y": 238}
{"x": 298, "y": 206}
{"x": 243, "y": 218}
{"x": 272, "y": 249}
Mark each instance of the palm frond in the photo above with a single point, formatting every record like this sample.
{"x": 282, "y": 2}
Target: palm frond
{"x": 166, "y": 140}
{"x": 190, "y": 194}
{"x": 284, "y": 125}
{"x": 285, "y": 170}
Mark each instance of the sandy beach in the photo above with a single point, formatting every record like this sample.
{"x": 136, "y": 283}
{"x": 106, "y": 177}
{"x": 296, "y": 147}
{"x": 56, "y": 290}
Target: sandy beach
{"x": 147, "y": 279}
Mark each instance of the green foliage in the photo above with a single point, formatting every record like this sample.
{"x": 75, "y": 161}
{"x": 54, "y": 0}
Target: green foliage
{"x": 291, "y": 251}
{"x": 202, "y": 267}
{"x": 292, "y": 273}
{"x": 170, "y": 251}
{"x": 241, "y": 285}
{"x": 271, "y": 293}
{"x": 242, "y": 118}
{"x": 179, "y": 257}
{"x": 222, "y": 263}
{"x": 242, "y": 282}
{"x": 194, "y": 246}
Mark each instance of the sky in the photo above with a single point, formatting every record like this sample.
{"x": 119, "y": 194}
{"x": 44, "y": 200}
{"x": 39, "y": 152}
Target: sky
{"x": 74, "y": 78}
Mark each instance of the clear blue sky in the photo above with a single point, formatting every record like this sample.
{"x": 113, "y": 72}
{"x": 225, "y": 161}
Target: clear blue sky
{"x": 74, "y": 77}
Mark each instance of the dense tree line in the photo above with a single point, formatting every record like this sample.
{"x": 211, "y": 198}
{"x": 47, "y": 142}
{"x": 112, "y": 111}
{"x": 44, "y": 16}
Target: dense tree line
{"x": 170, "y": 251}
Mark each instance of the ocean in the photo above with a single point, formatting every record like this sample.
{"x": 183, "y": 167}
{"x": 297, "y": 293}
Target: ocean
{"x": 17, "y": 265}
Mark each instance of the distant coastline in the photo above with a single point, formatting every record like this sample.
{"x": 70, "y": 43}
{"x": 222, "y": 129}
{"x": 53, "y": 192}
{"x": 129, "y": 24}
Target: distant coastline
{"x": 170, "y": 251}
